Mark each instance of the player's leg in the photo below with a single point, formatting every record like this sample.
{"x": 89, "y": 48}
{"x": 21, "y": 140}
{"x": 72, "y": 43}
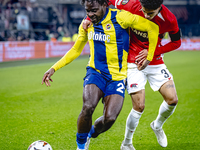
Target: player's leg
{"x": 112, "y": 107}
{"x": 113, "y": 101}
{"x": 138, "y": 101}
{"x": 91, "y": 97}
{"x": 166, "y": 109}
{"x": 162, "y": 80}
{"x": 94, "y": 89}
{"x": 136, "y": 81}
{"x": 168, "y": 91}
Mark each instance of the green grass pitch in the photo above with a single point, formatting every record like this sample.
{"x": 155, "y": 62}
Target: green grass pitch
{"x": 30, "y": 111}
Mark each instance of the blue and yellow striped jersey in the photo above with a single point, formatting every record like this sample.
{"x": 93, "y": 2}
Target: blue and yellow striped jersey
{"x": 109, "y": 43}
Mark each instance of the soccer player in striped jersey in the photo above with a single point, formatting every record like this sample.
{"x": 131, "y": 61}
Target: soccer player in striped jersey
{"x": 107, "y": 66}
{"x": 156, "y": 72}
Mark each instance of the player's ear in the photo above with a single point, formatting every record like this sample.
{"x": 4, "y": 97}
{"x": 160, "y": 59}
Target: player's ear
{"x": 159, "y": 8}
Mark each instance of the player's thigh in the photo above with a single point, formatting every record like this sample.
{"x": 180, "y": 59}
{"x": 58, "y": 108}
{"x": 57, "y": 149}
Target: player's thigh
{"x": 94, "y": 87}
{"x": 91, "y": 95}
{"x": 136, "y": 80}
{"x": 138, "y": 100}
{"x": 157, "y": 75}
{"x": 113, "y": 105}
{"x": 114, "y": 98}
{"x": 168, "y": 91}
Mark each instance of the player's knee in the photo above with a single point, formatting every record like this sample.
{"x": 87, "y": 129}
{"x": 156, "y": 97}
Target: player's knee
{"x": 110, "y": 119}
{"x": 173, "y": 101}
{"x": 140, "y": 107}
{"x": 87, "y": 109}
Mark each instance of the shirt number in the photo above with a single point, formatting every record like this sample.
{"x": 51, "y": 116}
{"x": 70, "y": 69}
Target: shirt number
{"x": 163, "y": 71}
{"x": 120, "y": 87}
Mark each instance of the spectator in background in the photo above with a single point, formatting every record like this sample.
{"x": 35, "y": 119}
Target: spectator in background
{"x": 61, "y": 33}
{"x": 2, "y": 36}
{"x": 19, "y": 38}
{"x": 11, "y": 38}
{"x": 32, "y": 36}
{"x": 74, "y": 37}
{"x": 53, "y": 37}
{"x": 27, "y": 15}
{"x": 47, "y": 35}
{"x": 66, "y": 38}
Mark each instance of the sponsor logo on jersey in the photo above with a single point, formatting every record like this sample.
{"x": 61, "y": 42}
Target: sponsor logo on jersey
{"x": 108, "y": 26}
{"x": 133, "y": 85}
{"x": 140, "y": 33}
{"x": 158, "y": 58}
{"x": 124, "y": 2}
{"x": 99, "y": 36}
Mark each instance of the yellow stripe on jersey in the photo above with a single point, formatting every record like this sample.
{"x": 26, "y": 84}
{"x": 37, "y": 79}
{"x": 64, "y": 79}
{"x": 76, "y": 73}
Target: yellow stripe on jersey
{"x": 111, "y": 50}
{"x": 91, "y": 43}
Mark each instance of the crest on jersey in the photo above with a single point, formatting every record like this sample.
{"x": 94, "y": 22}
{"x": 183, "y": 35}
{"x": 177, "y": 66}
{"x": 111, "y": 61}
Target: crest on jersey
{"x": 108, "y": 26}
{"x": 124, "y": 2}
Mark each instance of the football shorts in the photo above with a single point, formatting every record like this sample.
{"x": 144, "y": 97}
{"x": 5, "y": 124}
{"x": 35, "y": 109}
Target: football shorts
{"x": 156, "y": 75}
{"x": 107, "y": 86}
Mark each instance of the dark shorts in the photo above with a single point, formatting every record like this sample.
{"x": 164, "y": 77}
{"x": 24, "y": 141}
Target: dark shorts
{"x": 107, "y": 86}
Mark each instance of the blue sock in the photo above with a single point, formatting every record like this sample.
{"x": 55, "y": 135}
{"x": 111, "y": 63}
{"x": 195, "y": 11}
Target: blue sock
{"x": 81, "y": 146}
{"x": 92, "y": 130}
{"x": 81, "y": 139}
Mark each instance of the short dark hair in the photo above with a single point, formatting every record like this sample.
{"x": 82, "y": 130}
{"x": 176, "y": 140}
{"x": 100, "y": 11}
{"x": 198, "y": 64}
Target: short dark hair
{"x": 101, "y": 2}
{"x": 151, "y": 4}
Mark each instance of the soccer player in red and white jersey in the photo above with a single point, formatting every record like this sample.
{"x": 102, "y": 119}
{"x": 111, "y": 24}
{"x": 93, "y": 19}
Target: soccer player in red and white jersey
{"x": 156, "y": 72}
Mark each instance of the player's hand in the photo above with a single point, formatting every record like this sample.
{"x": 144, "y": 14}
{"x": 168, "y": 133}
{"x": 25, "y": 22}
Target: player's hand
{"x": 141, "y": 57}
{"x": 86, "y": 24}
{"x": 143, "y": 65}
{"x": 47, "y": 77}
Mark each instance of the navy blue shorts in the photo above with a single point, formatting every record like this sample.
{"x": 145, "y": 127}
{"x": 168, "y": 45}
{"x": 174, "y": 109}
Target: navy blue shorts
{"x": 107, "y": 86}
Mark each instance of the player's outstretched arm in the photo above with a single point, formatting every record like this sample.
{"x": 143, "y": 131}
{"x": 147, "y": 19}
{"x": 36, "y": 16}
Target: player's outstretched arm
{"x": 47, "y": 77}
{"x": 72, "y": 54}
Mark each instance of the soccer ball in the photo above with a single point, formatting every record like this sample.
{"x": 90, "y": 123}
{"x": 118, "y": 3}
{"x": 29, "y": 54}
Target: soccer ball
{"x": 40, "y": 145}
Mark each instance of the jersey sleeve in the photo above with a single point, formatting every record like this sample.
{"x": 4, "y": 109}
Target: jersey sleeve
{"x": 74, "y": 52}
{"x": 141, "y": 24}
{"x": 175, "y": 36}
{"x": 173, "y": 25}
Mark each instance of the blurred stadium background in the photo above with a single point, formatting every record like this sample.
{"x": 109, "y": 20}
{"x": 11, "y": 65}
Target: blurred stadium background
{"x": 57, "y": 21}
{"x": 37, "y": 19}
{"x": 31, "y": 29}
